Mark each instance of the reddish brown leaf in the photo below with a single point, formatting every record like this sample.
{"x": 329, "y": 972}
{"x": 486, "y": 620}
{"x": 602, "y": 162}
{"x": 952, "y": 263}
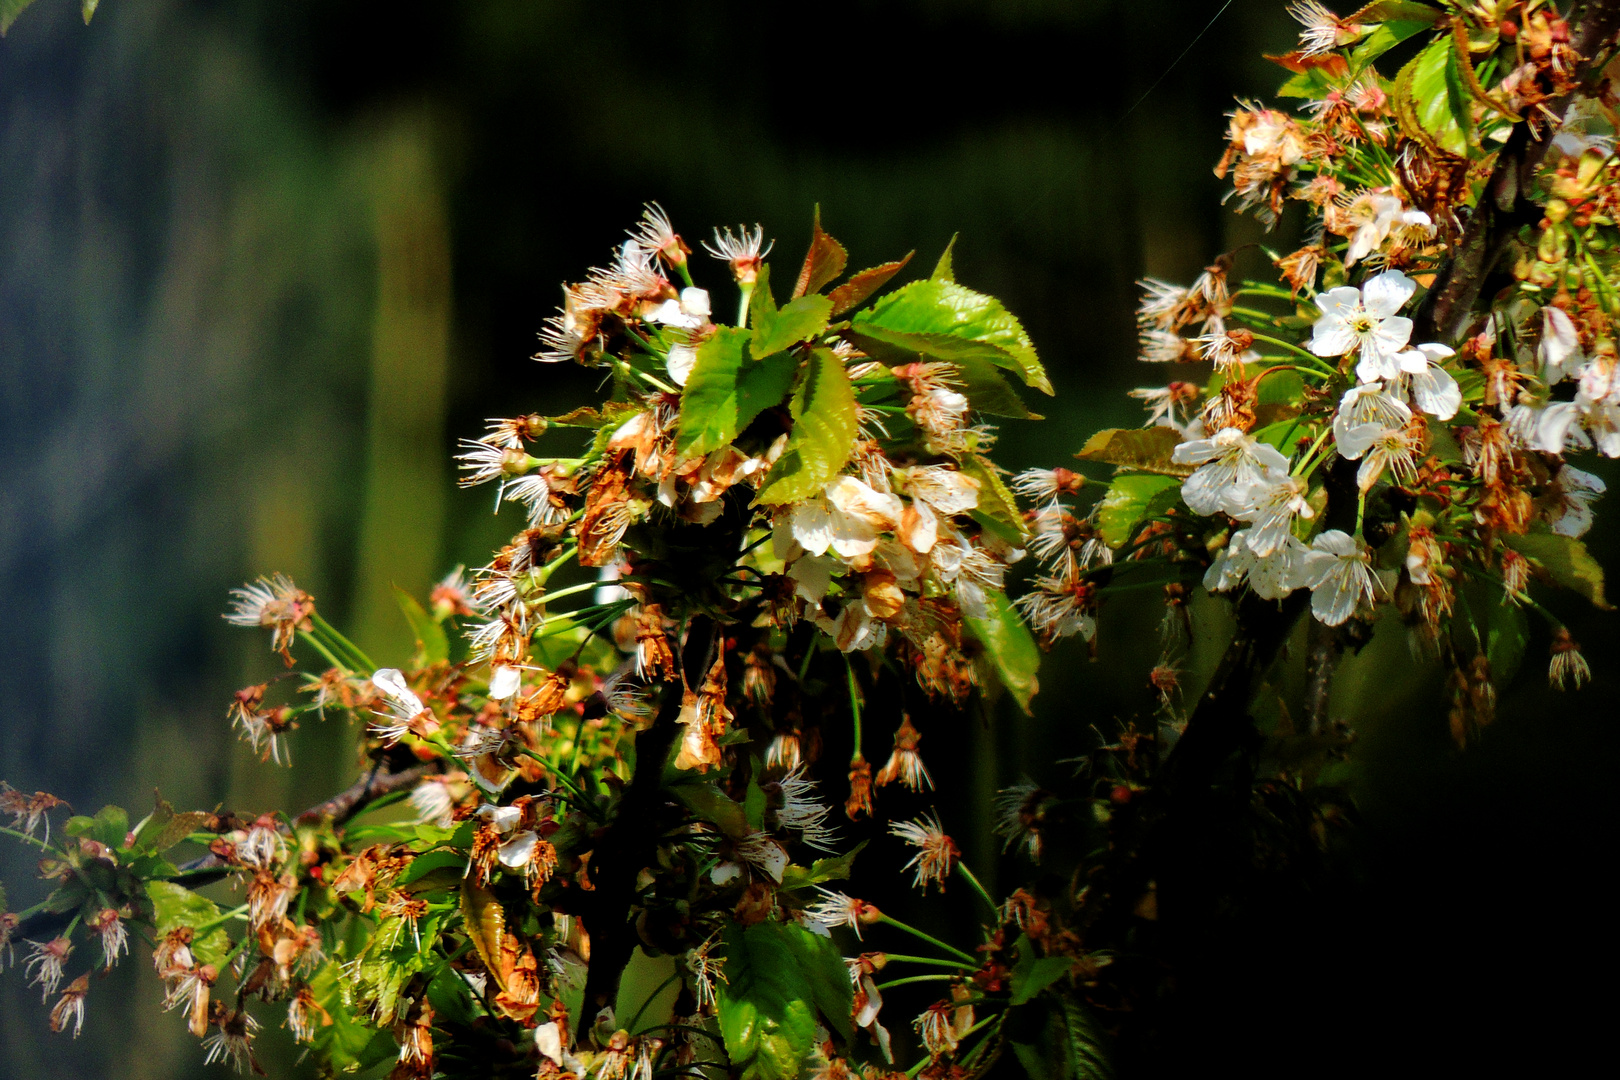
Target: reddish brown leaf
{"x": 824, "y": 261}
{"x": 1297, "y": 62}
{"x": 864, "y": 284}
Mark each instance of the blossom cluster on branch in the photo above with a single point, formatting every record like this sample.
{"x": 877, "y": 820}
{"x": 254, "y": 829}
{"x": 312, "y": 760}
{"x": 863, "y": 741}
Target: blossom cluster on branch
{"x": 595, "y": 831}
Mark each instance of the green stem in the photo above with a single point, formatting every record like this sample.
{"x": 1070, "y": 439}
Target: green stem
{"x": 315, "y": 643}
{"x": 934, "y": 941}
{"x": 742, "y": 305}
{"x": 854, "y": 701}
{"x": 893, "y": 958}
{"x": 909, "y": 979}
{"x": 686, "y": 274}
{"x": 234, "y": 913}
{"x": 572, "y": 590}
{"x": 1300, "y": 469}
{"x": 1361, "y": 511}
{"x": 550, "y": 568}
{"x": 984, "y": 894}
{"x": 36, "y": 841}
{"x": 342, "y": 644}
{"x": 1315, "y": 360}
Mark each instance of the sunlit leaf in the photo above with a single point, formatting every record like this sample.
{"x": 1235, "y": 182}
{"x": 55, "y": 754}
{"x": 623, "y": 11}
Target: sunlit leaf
{"x": 824, "y": 428}
{"x": 485, "y": 922}
{"x": 778, "y": 977}
{"x": 1566, "y": 561}
{"x": 824, "y": 261}
{"x": 174, "y": 906}
{"x": 995, "y": 501}
{"x": 858, "y": 288}
{"x": 947, "y": 309}
{"x": 774, "y": 329}
{"x": 1130, "y": 499}
{"x": 1147, "y": 449}
{"x": 727, "y": 389}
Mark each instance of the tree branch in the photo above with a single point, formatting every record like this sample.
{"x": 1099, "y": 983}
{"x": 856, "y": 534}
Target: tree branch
{"x": 630, "y": 841}
{"x": 1503, "y": 206}
{"x": 210, "y": 868}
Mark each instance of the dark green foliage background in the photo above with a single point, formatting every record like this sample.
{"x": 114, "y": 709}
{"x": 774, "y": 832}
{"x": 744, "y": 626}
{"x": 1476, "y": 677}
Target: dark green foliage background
{"x": 188, "y": 285}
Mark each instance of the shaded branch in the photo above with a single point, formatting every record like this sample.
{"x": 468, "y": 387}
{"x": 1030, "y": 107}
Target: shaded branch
{"x": 210, "y": 868}
{"x": 630, "y": 841}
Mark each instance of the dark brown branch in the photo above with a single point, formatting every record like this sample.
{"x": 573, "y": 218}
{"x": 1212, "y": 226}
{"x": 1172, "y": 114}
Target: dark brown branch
{"x": 1504, "y": 206}
{"x": 363, "y": 792}
{"x": 630, "y": 841}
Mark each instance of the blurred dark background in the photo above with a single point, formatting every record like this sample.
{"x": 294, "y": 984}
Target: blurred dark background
{"x": 262, "y": 263}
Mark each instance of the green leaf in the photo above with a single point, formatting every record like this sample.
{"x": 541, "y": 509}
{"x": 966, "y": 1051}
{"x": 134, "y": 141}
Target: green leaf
{"x": 824, "y": 428}
{"x": 647, "y": 992}
{"x": 1084, "y": 1048}
{"x": 153, "y": 833}
{"x": 1566, "y": 561}
{"x": 824, "y": 969}
{"x": 1147, "y": 449}
{"x": 837, "y": 868}
{"x": 995, "y": 501}
{"x": 857, "y": 289}
{"x": 775, "y": 329}
{"x": 1507, "y": 632}
{"x": 1426, "y": 99}
{"x": 347, "y": 1044}
{"x": 1311, "y": 83}
{"x": 824, "y": 261}
{"x": 1128, "y": 502}
{"x": 1031, "y": 975}
{"x": 988, "y": 392}
{"x": 767, "y": 1018}
{"x": 88, "y": 8}
{"x": 1009, "y": 647}
{"x": 951, "y": 311}
{"x": 943, "y": 270}
{"x": 714, "y": 806}
{"x": 9, "y": 10}
{"x": 1386, "y": 37}
{"x": 754, "y": 805}
{"x": 174, "y": 906}
{"x": 427, "y": 863}
{"x": 726, "y": 390}
{"x": 432, "y": 646}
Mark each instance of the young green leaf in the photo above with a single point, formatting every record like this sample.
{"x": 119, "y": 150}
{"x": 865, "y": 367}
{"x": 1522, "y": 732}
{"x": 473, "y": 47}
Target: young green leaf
{"x": 726, "y": 390}
{"x": 837, "y": 868}
{"x": 1008, "y": 646}
{"x": 767, "y": 1018}
{"x": 943, "y": 270}
{"x": 774, "y": 329}
{"x": 948, "y": 309}
{"x": 824, "y": 428}
{"x": 1128, "y": 502}
{"x": 432, "y": 646}
{"x": 995, "y": 501}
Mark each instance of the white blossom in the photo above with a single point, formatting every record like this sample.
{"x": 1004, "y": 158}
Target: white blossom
{"x": 1338, "y": 571}
{"x": 1232, "y": 461}
{"x": 1366, "y": 320}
